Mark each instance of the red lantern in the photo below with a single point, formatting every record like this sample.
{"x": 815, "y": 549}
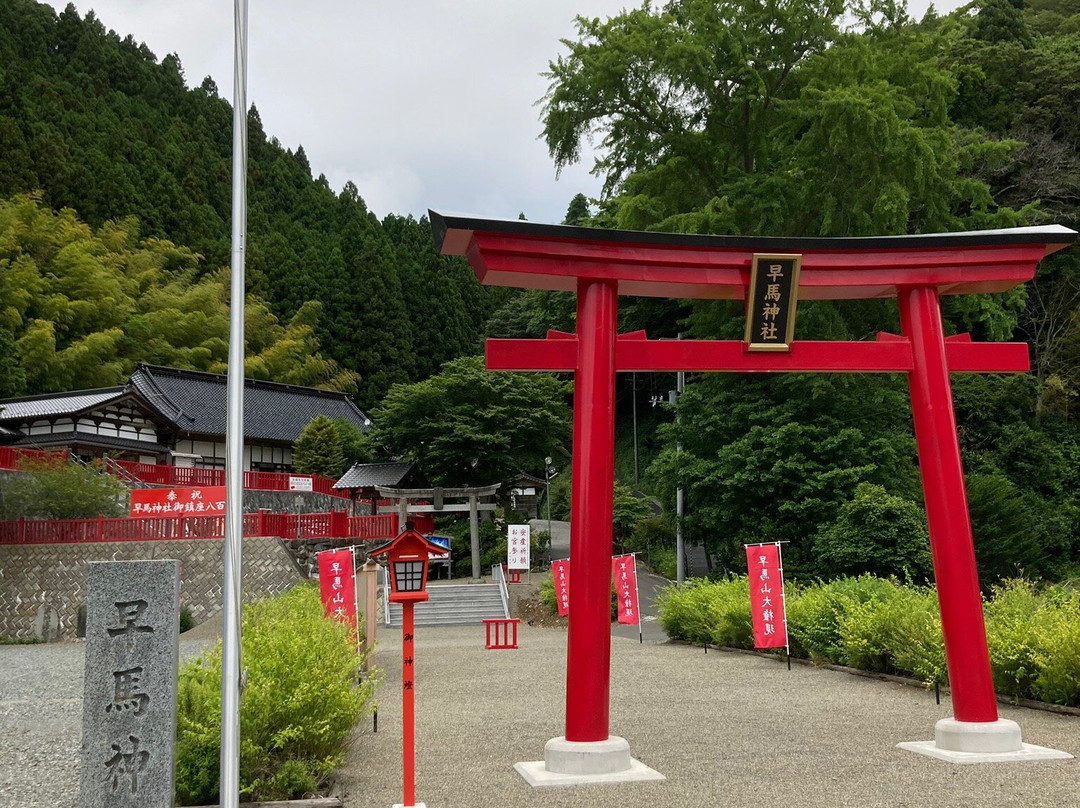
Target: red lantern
{"x": 407, "y": 555}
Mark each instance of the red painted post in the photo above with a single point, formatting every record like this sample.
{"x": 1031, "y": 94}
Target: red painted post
{"x": 408, "y": 767}
{"x": 588, "y": 645}
{"x": 261, "y": 529}
{"x": 951, "y": 545}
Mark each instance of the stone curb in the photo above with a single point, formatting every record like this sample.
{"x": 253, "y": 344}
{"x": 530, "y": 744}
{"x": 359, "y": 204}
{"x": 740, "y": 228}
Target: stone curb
{"x": 1030, "y": 704}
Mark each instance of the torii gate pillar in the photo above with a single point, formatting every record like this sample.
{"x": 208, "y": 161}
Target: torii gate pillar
{"x": 599, "y": 265}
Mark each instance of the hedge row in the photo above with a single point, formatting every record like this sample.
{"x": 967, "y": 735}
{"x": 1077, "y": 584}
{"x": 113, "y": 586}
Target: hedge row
{"x": 877, "y": 624}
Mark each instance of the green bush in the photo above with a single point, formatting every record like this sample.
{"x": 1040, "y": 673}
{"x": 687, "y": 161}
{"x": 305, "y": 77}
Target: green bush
{"x": 299, "y": 706}
{"x": 816, "y": 614}
{"x": 701, "y": 611}
{"x": 545, "y": 593}
{"x": 1034, "y": 640}
{"x": 1011, "y": 615}
{"x": 877, "y": 533}
{"x": 877, "y": 624}
{"x": 896, "y": 631}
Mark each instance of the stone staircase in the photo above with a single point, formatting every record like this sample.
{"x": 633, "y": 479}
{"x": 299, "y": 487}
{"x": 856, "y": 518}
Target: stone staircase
{"x": 454, "y": 605}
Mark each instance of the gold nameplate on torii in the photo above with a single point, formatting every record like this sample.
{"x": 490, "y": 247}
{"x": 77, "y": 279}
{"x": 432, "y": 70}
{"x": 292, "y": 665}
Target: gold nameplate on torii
{"x": 770, "y": 302}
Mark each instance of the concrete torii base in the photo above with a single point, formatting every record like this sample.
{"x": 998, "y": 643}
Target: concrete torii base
{"x": 568, "y": 763}
{"x": 982, "y": 742}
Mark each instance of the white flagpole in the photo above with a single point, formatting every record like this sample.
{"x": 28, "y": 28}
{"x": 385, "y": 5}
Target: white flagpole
{"x": 783, "y": 600}
{"x": 234, "y": 432}
{"x": 637, "y": 597}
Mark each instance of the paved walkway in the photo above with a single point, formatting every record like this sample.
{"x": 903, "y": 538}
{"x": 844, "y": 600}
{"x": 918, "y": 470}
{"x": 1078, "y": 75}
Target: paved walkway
{"x": 726, "y": 729}
{"x": 648, "y": 586}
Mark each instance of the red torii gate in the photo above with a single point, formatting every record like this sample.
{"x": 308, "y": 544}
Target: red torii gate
{"x": 599, "y": 265}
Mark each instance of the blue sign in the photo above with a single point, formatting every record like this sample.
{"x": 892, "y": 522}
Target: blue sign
{"x": 442, "y": 541}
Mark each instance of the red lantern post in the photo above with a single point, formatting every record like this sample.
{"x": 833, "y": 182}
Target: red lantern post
{"x": 407, "y": 556}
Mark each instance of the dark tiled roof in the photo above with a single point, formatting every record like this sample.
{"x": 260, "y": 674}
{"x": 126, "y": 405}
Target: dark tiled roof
{"x": 9, "y": 435}
{"x": 367, "y": 475}
{"x": 196, "y": 403}
{"x": 524, "y": 476}
{"x": 56, "y": 404}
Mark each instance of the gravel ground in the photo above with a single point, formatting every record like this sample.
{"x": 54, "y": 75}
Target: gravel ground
{"x": 41, "y": 722}
{"x": 726, "y": 729}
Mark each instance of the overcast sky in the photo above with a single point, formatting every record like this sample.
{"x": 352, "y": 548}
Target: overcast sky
{"x": 421, "y": 103}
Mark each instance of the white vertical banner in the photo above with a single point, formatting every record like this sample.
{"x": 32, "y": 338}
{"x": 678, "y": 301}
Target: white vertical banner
{"x": 517, "y": 547}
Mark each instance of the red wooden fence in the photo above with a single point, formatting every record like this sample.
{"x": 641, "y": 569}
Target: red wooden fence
{"x": 332, "y": 525}
{"x": 10, "y": 456}
{"x": 183, "y": 476}
{"x": 153, "y": 474}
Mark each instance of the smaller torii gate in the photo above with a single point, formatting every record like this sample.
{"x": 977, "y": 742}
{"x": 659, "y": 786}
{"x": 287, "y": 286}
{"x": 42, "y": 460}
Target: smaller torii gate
{"x": 437, "y": 496}
{"x": 599, "y": 265}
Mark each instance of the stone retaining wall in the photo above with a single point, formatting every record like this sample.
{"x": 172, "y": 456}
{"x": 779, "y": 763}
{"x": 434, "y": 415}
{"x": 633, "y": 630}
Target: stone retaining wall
{"x": 35, "y": 579}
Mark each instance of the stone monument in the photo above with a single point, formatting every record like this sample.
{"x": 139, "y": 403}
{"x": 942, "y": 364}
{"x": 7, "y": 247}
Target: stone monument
{"x": 129, "y": 684}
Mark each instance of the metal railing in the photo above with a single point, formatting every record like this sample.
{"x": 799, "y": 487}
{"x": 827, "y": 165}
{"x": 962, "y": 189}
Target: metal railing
{"x": 499, "y": 578}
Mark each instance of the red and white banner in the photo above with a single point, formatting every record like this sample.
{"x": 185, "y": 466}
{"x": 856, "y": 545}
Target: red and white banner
{"x": 766, "y": 574}
{"x": 336, "y": 585}
{"x": 560, "y": 574}
{"x": 207, "y": 500}
{"x": 624, "y": 574}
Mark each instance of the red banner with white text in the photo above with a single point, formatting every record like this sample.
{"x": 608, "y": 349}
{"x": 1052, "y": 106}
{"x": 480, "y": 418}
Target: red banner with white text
{"x": 624, "y": 574}
{"x": 207, "y": 500}
{"x": 766, "y": 575}
{"x": 336, "y": 585}
{"x": 560, "y": 574}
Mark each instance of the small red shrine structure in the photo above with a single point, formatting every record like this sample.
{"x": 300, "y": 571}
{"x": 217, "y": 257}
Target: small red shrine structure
{"x": 599, "y": 265}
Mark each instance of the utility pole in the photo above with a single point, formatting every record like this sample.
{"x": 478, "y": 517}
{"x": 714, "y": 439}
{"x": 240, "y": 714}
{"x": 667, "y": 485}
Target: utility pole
{"x": 680, "y": 546}
{"x": 634, "y": 405}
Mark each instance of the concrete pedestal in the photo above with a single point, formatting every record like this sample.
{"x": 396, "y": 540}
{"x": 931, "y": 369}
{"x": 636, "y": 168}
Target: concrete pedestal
{"x": 980, "y": 742}
{"x": 568, "y": 763}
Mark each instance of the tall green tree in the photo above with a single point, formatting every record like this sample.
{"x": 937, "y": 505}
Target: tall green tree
{"x": 84, "y": 306}
{"x": 469, "y": 426}
{"x": 318, "y": 449}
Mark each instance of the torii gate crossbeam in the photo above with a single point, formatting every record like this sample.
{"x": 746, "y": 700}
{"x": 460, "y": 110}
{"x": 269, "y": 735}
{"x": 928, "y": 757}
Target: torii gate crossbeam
{"x": 599, "y": 265}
